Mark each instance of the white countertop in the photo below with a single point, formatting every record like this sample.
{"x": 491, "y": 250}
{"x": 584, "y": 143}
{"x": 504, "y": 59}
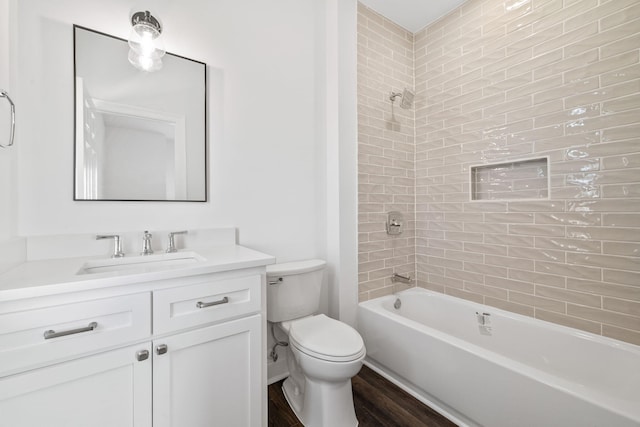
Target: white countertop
{"x": 54, "y": 276}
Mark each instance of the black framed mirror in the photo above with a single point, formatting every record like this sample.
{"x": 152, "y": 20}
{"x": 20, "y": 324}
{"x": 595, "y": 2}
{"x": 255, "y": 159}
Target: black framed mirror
{"x": 139, "y": 136}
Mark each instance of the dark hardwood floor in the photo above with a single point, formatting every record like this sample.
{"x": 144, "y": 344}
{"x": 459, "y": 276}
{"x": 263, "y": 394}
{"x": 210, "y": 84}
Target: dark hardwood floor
{"x": 378, "y": 403}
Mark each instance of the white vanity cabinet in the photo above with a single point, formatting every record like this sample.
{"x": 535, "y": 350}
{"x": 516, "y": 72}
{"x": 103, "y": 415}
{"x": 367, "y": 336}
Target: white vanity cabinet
{"x": 63, "y": 363}
{"x": 211, "y": 375}
{"x": 104, "y": 390}
{"x": 187, "y": 351}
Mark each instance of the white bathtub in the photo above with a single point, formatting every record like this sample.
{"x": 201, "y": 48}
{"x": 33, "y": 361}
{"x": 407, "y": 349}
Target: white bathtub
{"x": 514, "y": 371}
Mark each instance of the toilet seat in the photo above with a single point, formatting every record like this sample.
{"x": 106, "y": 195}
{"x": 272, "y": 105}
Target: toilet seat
{"x": 327, "y": 339}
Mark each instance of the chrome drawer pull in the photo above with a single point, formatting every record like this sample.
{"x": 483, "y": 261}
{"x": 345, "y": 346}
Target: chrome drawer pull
{"x": 142, "y": 355}
{"x": 201, "y": 304}
{"x": 53, "y": 334}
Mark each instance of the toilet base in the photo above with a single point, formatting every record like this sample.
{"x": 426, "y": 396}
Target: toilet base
{"x": 322, "y": 404}
{"x": 294, "y": 396}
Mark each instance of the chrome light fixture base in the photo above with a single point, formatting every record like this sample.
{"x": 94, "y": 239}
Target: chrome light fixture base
{"x": 146, "y": 19}
{"x": 145, "y": 42}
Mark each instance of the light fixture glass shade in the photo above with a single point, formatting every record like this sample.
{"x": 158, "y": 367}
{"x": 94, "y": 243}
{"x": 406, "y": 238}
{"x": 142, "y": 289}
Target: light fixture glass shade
{"x": 145, "y": 42}
{"x": 144, "y": 63}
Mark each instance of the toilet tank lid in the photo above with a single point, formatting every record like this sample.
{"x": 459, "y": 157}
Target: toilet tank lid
{"x": 295, "y": 267}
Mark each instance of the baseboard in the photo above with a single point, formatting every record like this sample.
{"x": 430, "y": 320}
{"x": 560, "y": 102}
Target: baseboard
{"x": 277, "y": 371}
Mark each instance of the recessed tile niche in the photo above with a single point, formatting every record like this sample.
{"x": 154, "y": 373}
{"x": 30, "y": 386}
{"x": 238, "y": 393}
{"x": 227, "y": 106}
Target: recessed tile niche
{"x": 522, "y": 179}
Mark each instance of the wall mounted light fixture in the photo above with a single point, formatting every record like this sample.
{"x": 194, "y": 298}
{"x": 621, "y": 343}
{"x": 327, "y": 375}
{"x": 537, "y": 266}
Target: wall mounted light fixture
{"x": 145, "y": 42}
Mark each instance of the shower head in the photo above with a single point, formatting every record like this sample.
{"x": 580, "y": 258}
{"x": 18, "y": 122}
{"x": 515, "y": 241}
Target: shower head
{"x": 407, "y": 98}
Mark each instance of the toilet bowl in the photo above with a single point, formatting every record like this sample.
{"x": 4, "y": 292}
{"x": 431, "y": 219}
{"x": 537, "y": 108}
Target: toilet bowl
{"x": 323, "y": 353}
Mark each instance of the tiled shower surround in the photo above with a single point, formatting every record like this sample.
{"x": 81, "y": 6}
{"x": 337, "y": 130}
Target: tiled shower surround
{"x": 500, "y": 81}
{"x": 386, "y": 152}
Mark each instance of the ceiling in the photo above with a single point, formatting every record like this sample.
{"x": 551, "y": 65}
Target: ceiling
{"x": 412, "y": 15}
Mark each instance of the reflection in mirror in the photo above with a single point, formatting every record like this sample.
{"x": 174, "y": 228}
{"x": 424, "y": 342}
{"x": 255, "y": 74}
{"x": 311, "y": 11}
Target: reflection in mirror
{"x": 139, "y": 136}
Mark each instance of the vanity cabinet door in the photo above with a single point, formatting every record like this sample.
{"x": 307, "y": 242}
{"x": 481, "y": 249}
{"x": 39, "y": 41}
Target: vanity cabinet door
{"x": 105, "y": 390}
{"x": 209, "y": 377}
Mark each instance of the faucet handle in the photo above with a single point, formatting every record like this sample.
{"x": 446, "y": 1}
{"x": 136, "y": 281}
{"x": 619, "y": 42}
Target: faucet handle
{"x": 146, "y": 243}
{"x": 117, "y": 244}
{"x": 172, "y": 245}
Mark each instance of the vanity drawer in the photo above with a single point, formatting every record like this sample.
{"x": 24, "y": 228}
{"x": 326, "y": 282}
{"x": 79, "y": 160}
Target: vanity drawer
{"x": 211, "y": 301}
{"x": 35, "y": 336}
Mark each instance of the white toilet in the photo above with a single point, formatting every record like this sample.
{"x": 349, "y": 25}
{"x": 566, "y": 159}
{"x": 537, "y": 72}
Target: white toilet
{"x": 323, "y": 353}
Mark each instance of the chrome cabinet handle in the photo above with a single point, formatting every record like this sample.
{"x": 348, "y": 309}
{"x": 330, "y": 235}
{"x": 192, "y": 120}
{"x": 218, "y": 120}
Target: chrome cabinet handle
{"x": 201, "y": 304}
{"x": 12, "y": 130}
{"x": 142, "y": 355}
{"x": 161, "y": 349}
{"x": 53, "y": 334}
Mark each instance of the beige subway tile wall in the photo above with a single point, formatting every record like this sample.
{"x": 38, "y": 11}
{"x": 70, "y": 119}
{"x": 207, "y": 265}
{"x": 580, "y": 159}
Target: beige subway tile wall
{"x": 550, "y": 79}
{"x": 386, "y": 153}
{"x": 499, "y": 81}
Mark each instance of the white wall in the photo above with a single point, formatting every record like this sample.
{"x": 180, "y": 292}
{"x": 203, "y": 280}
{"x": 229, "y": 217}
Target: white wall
{"x": 282, "y": 125}
{"x": 264, "y": 170}
{"x": 12, "y": 250}
{"x": 125, "y": 147}
{"x": 340, "y": 112}
{"x": 6, "y": 155}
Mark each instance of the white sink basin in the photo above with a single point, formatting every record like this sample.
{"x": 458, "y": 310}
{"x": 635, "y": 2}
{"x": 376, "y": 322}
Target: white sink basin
{"x": 140, "y": 264}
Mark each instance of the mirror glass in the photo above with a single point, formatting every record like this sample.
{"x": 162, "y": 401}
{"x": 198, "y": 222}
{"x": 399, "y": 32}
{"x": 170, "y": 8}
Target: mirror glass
{"x": 139, "y": 136}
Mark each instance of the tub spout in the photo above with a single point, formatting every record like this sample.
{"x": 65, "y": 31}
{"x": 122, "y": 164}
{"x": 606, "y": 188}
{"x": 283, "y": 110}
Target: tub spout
{"x": 402, "y": 279}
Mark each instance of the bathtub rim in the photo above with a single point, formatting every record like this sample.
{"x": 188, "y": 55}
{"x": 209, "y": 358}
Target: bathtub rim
{"x": 569, "y": 386}
{"x": 610, "y": 342}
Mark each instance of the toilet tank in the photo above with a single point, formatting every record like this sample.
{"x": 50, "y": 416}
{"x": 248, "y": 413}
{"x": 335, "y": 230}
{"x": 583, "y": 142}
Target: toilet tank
{"x": 293, "y": 289}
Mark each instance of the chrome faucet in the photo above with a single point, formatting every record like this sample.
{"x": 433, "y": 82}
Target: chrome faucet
{"x": 400, "y": 278}
{"x": 146, "y": 243}
{"x": 172, "y": 244}
{"x": 117, "y": 244}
